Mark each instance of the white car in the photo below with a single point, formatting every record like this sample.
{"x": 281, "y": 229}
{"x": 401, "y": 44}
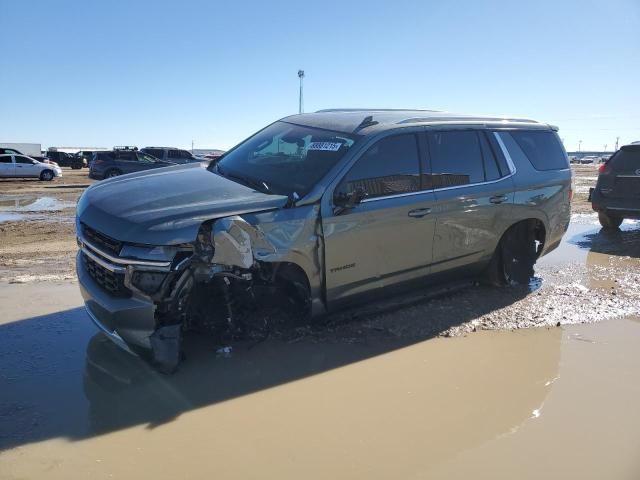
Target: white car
{"x": 21, "y": 166}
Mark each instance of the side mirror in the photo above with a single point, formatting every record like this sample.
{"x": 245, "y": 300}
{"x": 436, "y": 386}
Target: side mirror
{"x": 350, "y": 200}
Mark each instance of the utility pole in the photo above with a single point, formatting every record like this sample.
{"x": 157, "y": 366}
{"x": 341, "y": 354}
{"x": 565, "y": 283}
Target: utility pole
{"x": 617, "y": 139}
{"x": 301, "y": 97}
{"x": 191, "y": 147}
{"x": 579, "y": 145}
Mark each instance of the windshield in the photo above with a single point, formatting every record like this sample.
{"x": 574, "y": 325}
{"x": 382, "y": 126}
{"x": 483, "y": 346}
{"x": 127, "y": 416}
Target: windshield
{"x": 285, "y": 159}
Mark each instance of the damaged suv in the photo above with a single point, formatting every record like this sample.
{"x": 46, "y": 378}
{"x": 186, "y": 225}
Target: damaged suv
{"x": 324, "y": 209}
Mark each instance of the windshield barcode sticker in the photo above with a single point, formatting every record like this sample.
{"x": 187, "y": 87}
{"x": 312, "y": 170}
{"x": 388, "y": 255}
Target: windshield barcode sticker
{"x": 325, "y": 146}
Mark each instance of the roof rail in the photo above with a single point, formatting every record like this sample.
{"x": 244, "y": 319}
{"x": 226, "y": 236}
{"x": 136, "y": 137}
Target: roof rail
{"x": 125, "y": 147}
{"x": 338, "y": 110}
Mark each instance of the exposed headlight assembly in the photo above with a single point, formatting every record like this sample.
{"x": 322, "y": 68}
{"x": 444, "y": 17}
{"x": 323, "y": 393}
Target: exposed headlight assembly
{"x": 146, "y": 281}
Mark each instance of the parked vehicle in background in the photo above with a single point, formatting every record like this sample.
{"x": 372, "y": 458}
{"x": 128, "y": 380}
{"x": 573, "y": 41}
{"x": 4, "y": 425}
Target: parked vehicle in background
{"x": 324, "y": 209}
{"x": 65, "y": 159}
{"x": 616, "y": 195}
{"x": 21, "y": 166}
{"x": 168, "y": 154}
{"x": 121, "y": 161}
{"x": 87, "y": 156}
{"x": 29, "y": 149}
{"x": 588, "y": 160}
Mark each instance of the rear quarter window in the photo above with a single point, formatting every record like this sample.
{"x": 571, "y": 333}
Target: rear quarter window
{"x": 541, "y": 147}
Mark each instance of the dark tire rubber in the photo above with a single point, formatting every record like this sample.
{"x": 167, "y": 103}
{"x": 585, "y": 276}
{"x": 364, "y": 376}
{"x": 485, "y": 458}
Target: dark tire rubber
{"x": 46, "y": 175}
{"x": 608, "y": 221}
{"x": 514, "y": 258}
{"x": 114, "y": 172}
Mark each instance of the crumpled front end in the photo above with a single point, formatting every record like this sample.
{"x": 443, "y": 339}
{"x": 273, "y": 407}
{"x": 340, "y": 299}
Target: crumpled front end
{"x": 146, "y": 297}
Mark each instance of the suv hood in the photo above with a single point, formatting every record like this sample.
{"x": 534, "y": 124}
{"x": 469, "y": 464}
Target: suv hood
{"x": 166, "y": 206}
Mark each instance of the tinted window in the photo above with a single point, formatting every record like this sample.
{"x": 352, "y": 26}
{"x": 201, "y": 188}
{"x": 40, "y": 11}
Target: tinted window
{"x": 174, "y": 154}
{"x": 491, "y": 170}
{"x": 143, "y": 157}
{"x": 20, "y": 159}
{"x": 6, "y": 159}
{"x": 156, "y": 152}
{"x": 389, "y": 167}
{"x": 498, "y": 154}
{"x": 456, "y": 158}
{"x": 125, "y": 155}
{"x": 185, "y": 155}
{"x": 626, "y": 160}
{"x": 541, "y": 147}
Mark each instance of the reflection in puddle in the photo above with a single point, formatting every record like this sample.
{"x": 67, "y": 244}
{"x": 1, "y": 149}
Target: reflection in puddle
{"x": 31, "y": 207}
{"x": 31, "y": 203}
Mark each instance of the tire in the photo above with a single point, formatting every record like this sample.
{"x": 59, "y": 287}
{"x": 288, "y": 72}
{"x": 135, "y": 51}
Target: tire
{"x": 46, "y": 175}
{"x": 514, "y": 258}
{"x": 113, "y": 172}
{"x": 608, "y": 221}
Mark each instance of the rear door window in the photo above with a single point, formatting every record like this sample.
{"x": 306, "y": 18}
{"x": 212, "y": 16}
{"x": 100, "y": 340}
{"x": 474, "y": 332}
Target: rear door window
{"x": 541, "y": 147}
{"x": 390, "y": 166}
{"x": 6, "y": 159}
{"x": 456, "y": 158}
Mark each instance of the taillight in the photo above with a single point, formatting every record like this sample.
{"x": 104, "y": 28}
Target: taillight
{"x": 603, "y": 167}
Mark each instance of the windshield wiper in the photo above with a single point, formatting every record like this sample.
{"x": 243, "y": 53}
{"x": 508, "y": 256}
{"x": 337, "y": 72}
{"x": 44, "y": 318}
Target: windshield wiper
{"x": 251, "y": 182}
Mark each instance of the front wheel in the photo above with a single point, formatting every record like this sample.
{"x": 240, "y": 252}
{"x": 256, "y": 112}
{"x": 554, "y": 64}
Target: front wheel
{"x": 46, "y": 175}
{"x": 609, "y": 222}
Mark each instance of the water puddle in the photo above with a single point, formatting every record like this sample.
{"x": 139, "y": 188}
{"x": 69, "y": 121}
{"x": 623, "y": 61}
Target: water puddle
{"x": 379, "y": 408}
{"x": 29, "y": 203}
{"x": 31, "y": 207}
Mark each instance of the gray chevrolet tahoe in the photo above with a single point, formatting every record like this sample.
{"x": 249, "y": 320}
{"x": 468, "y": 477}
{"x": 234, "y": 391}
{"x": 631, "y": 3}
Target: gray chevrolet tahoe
{"x": 327, "y": 209}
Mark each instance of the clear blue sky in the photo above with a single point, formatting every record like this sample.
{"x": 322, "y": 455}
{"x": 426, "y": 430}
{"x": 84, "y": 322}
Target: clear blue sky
{"x": 104, "y": 73}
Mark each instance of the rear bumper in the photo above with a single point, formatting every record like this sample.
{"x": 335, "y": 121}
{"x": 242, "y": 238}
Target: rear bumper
{"x": 621, "y": 207}
{"x": 127, "y": 321}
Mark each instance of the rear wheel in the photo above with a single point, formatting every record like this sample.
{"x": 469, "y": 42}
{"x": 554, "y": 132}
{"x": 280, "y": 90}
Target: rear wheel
{"x": 46, "y": 175}
{"x": 515, "y": 256}
{"x": 608, "y": 221}
{"x": 114, "y": 172}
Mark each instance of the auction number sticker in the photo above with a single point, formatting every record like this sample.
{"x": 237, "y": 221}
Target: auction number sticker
{"x": 325, "y": 146}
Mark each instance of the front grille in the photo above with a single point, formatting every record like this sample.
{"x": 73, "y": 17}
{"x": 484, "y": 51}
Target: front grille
{"x": 627, "y": 187}
{"x": 101, "y": 241}
{"x": 108, "y": 280}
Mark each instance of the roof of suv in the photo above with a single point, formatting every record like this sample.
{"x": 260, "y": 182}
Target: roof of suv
{"x": 350, "y": 120}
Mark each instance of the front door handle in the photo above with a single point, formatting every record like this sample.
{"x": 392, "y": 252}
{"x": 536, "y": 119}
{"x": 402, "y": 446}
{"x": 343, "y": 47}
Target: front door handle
{"x": 498, "y": 199}
{"x": 419, "y": 212}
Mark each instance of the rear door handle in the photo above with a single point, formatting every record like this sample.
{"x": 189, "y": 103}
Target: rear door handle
{"x": 419, "y": 212}
{"x": 498, "y": 199}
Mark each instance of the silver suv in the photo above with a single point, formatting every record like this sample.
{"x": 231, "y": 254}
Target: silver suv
{"x": 325, "y": 209}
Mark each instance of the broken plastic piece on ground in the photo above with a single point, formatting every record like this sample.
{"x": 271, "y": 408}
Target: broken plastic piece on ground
{"x": 224, "y": 351}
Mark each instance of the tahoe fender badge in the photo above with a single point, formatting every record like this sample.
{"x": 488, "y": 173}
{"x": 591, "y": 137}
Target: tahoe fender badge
{"x": 343, "y": 267}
